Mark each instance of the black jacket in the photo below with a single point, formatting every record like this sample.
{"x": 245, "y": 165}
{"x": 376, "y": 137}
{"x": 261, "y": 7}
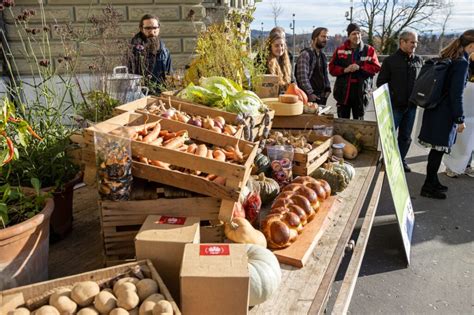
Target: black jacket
{"x": 400, "y": 72}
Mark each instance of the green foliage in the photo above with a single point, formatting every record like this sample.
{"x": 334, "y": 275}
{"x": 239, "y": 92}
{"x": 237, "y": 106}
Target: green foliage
{"x": 99, "y": 106}
{"x": 16, "y": 206}
{"x": 222, "y": 51}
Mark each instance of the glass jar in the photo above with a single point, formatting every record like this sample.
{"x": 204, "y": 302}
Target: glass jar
{"x": 338, "y": 150}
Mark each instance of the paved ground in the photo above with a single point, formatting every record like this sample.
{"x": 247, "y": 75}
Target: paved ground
{"x": 440, "y": 277}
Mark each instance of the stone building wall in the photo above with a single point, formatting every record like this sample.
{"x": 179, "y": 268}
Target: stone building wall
{"x": 181, "y": 20}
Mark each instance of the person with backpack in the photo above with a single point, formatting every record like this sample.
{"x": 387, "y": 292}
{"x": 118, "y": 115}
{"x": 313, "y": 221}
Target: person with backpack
{"x": 278, "y": 60}
{"x": 354, "y": 64}
{"x": 400, "y": 70}
{"x": 311, "y": 70}
{"x": 441, "y": 122}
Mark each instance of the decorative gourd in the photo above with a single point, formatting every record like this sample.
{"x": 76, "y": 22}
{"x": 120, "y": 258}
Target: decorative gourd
{"x": 264, "y": 274}
{"x": 295, "y": 90}
{"x": 336, "y": 177}
{"x": 239, "y": 230}
{"x": 346, "y": 167}
{"x": 262, "y": 164}
{"x": 350, "y": 151}
{"x": 269, "y": 187}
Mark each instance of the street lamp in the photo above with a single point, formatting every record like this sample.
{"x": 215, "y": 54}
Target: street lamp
{"x": 349, "y": 13}
{"x": 292, "y": 27}
{"x": 261, "y": 34}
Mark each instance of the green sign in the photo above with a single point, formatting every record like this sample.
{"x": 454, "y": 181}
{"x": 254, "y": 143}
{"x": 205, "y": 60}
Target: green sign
{"x": 393, "y": 165}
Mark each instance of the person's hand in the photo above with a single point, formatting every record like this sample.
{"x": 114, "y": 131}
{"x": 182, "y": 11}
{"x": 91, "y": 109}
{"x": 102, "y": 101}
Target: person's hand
{"x": 461, "y": 127}
{"x": 355, "y": 67}
{"x": 313, "y": 98}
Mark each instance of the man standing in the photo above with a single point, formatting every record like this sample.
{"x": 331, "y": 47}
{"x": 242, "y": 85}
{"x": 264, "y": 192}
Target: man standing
{"x": 354, "y": 64}
{"x": 311, "y": 68}
{"x": 148, "y": 55}
{"x": 400, "y": 71}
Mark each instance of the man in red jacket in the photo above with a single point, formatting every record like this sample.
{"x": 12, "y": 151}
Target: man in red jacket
{"x": 354, "y": 64}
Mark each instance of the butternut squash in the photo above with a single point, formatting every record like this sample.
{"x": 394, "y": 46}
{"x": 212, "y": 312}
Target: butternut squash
{"x": 350, "y": 151}
{"x": 239, "y": 230}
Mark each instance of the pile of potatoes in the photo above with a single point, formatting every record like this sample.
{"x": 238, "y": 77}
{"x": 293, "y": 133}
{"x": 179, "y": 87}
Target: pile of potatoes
{"x": 128, "y": 296}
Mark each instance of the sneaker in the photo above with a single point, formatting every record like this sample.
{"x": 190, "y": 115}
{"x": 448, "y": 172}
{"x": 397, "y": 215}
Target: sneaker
{"x": 451, "y": 174}
{"x": 406, "y": 168}
{"x": 469, "y": 171}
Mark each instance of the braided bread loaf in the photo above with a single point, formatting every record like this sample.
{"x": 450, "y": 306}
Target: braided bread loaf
{"x": 292, "y": 209}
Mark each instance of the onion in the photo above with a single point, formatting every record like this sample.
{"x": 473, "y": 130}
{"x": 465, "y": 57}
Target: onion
{"x": 168, "y": 113}
{"x": 218, "y": 124}
{"x": 195, "y": 122}
{"x": 220, "y": 119}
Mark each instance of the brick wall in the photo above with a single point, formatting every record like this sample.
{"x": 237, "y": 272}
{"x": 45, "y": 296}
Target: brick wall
{"x": 178, "y": 30}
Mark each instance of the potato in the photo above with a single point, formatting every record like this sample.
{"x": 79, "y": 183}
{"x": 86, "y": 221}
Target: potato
{"x": 134, "y": 311}
{"x": 125, "y": 286}
{"x": 146, "y": 287}
{"x": 124, "y": 280}
{"x": 147, "y": 306}
{"x": 104, "y": 302}
{"x": 46, "y": 310}
{"x": 163, "y": 307}
{"x": 83, "y": 293}
{"x": 20, "y": 311}
{"x": 127, "y": 299}
{"x": 119, "y": 311}
{"x": 61, "y": 300}
{"x": 88, "y": 311}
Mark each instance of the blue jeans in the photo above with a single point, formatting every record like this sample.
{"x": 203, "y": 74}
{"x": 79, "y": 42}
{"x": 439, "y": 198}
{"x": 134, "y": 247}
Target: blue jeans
{"x": 404, "y": 120}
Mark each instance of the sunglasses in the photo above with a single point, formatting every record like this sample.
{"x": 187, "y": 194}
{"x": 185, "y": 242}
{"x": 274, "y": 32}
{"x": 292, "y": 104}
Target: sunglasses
{"x": 149, "y": 28}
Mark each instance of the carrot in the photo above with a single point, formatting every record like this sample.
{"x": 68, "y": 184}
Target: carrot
{"x": 192, "y": 148}
{"x": 174, "y": 143}
{"x": 183, "y": 148}
{"x": 219, "y": 155}
{"x": 201, "y": 150}
{"x": 153, "y": 134}
{"x": 182, "y": 133}
{"x": 169, "y": 135}
{"x": 211, "y": 177}
{"x": 160, "y": 164}
{"x": 157, "y": 141}
{"x": 142, "y": 159}
{"x": 209, "y": 154}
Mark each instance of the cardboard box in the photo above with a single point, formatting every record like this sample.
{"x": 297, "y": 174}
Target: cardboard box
{"x": 215, "y": 279}
{"x": 269, "y": 86}
{"x": 162, "y": 239}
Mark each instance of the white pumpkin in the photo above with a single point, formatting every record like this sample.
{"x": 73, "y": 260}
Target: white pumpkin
{"x": 264, "y": 273}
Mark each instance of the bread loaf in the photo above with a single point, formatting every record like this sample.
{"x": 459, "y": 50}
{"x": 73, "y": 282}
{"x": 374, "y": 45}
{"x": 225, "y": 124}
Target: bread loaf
{"x": 296, "y": 205}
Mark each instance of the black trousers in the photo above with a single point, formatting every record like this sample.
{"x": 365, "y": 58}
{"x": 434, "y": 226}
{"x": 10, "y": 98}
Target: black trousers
{"x": 434, "y": 162}
{"x": 353, "y": 104}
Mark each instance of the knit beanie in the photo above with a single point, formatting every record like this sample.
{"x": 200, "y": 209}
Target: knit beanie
{"x": 352, "y": 27}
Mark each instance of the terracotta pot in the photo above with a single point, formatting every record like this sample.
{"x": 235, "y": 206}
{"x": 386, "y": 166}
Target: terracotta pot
{"x": 61, "y": 219}
{"x": 24, "y": 250}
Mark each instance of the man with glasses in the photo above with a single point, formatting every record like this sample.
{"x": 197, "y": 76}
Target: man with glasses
{"x": 148, "y": 55}
{"x": 400, "y": 70}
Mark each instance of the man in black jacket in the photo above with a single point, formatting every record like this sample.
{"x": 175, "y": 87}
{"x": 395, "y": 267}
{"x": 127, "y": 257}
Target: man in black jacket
{"x": 400, "y": 71}
{"x": 148, "y": 55}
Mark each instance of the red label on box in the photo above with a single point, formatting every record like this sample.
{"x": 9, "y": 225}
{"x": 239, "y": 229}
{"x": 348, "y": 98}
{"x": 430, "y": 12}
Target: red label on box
{"x": 214, "y": 250}
{"x": 171, "y": 220}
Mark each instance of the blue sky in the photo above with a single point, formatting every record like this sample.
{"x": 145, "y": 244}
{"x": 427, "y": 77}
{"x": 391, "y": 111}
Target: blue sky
{"x": 330, "y": 13}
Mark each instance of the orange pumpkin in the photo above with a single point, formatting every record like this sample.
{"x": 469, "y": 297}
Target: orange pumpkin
{"x": 295, "y": 90}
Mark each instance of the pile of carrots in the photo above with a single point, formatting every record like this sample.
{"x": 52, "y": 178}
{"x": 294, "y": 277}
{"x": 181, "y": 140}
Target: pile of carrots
{"x": 153, "y": 134}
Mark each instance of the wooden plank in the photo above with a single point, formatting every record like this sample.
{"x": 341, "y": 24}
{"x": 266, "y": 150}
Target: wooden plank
{"x": 304, "y": 121}
{"x": 226, "y": 210}
{"x": 184, "y": 181}
{"x": 344, "y": 296}
{"x": 133, "y": 106}
{"x": 303, "y": 171}
{"x": 298, "y": 253}
{"x": 300, "y": 285}
{"x": 322, "y": 294}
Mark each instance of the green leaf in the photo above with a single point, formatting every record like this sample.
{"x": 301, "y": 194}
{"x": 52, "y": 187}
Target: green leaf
{"x": 35, "y": 182}
{"x": 4, "y": 213}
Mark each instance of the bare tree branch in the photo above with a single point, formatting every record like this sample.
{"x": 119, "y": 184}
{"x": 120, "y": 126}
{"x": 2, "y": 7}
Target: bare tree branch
{"x": 277, "y": 10}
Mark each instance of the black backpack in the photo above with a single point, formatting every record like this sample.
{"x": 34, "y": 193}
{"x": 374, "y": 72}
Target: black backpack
{"x": 429, "y": 89}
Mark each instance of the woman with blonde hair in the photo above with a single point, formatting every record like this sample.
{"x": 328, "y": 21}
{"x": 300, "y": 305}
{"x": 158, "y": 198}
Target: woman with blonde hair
{"x": 440, "y": 124}
{"x": 278, "y": 61}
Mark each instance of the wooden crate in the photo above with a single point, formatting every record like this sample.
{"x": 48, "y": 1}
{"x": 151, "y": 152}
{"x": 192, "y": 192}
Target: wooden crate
{"x": 121, "y": 221}
{"x": 35, "y": 295}
{"x": 193, "y": 109}
{"x": 236, "y": 175}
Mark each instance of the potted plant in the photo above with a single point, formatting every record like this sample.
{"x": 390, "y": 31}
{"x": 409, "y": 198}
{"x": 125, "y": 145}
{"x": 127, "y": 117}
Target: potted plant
{"x": 24, "y": 215}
